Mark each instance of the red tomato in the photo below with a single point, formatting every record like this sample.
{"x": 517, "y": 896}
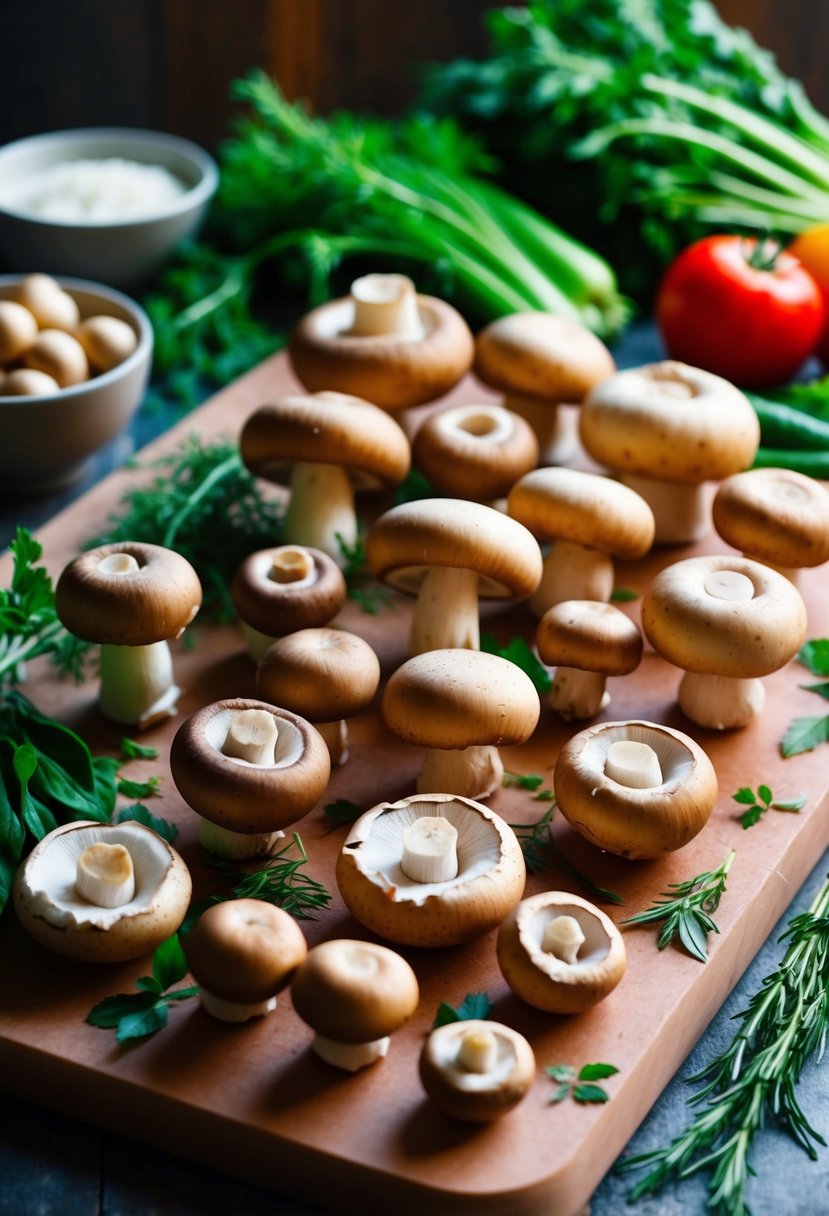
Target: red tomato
{"x": 728, "y": 307}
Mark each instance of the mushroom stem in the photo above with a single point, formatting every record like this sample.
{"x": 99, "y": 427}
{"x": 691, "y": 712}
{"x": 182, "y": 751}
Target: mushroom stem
{"x": 385, "y": 305}
{"x": 349, "y": 1056}
{"x": 251, "y": 736}
{"x": 474, "y": 772}
{"x": 634, "y": 765}
{"x": 321, "y": 511}
{"x": 137, "y": 686}
{"x": 680, "y": 511}
{"x": 720, "y": 702}
{"x": 478, "y": 1051}
{"x": 555, "y": 434}
{"x": 335, "y": 735}
{"x": 789, "y": 572}
{"x": 572, "y": 572}
{"x": 430, "y": 850}
{"x": 563, "y": 937}
{"x": 236, "y": 846}
{"x": 292, "y": 564}
{"x": 105, "y": 876}
{"x": 578, "y": 694}
{"x": 230, "y": 1011}
{"x": 256, "y": 641}
{"x": 446, "y": 612}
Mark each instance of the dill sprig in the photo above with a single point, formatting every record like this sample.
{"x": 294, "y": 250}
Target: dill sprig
{"x": 539, "y": 847}
{"x": 205, "y": 504}
{"x": 754, "y": 1080}
{"x": 687, "y": 912}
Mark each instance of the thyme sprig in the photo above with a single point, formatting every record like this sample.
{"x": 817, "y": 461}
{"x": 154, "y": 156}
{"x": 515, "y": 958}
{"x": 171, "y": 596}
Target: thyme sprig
{"x": 754, "y": 1080}
{"x": 687, "y": 908}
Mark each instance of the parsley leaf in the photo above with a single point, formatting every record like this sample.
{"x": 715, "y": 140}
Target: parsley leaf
{"x": 804, "y": 735}
{"x": 475, "y": 1006}
{"x": 138, "y": 1015}
{"x": 517, "y": 651}
{"x": 763, "y": 801}
{"x": 580, "y": 1086}
{"x": 139, "y": 814}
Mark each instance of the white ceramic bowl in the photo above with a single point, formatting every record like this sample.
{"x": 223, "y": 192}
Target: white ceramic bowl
{"x": 120, "y": 253}
{"x": 47, "y": 441}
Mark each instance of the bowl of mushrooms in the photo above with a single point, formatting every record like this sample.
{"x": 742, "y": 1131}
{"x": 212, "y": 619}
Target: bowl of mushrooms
{"x": 74, "y": 362}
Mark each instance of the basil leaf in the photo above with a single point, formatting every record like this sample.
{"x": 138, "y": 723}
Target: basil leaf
{"x": 109, "y": 1012}
{"x": 56, "y": 740}
{"x": 169, "y": 963}
{"x": 597, "y": 1072}
{"x": 139, "y": 1025}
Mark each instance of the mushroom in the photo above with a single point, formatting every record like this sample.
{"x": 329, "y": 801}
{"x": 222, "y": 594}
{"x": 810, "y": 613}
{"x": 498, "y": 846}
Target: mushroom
{"x": 18, "y": 331}
{"x": 327, "y": 438}
{"x": 447, "y": 552}
{"x": 248, "y": 769}
{"x": 476, "y": 1070}
{"x": 667, "y": 428}
{"x": 131, "y": 597}
{"x": 242, "y": 952}
{"x": 461, "y": 705}
{"x": 354, "y": 995}
{"x": 26, "y": 382}
{"x": 776, "y": 516}
{"x": 102, "y": 893}
{"x": 560, "y": 953}
{"x": 59, "y": 355}
{"x": 725, "y": 621}
{"x": 476, "y": 452}
{"x": 587, "y": 642}
{"x": 327, "y": 675}
{"x": 590, "y": 518}
{"x": 636, "y": 789}
{"x": 277, "y": 591}
{"x": 49, "y": 304}
{"x": 107, "y": 341}
{"x": 540, "y": 361}
{"x": 434, "y": 870}
{"x": 383, "y": 342}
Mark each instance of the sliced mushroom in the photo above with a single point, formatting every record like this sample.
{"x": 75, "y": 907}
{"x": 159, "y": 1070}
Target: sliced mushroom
{"x": 476, "y": 1070}
{"x": 138, "y": 901}
{"x": 390, "y": 870}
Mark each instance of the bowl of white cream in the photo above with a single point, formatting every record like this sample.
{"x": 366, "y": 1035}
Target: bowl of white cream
{"x": 108, "y": 204}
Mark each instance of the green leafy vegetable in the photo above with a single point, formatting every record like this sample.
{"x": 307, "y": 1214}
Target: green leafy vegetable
{"x": 362, "y": 587}
{"x": 474, "y": 1006}
{"x": 805, "y": 734}
{"x": 203, "y": 503}
{"x": 754, "y": 1081}
{"x": 580, "y": 1085}
{"x": 764, "y": 800}
{"x": 687, "y": 909}
{"x": 523, "y": 656}
{"x": 162, "y": 827}
{"x": 138, "y": 1015}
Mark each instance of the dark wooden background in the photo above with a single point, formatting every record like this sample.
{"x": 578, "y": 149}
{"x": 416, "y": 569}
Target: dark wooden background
{"x": 167, "y": 64}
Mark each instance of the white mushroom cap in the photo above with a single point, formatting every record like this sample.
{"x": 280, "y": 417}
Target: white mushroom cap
{"x": 776, "y": 515}
{"x": 544, "y": 980}
{"x": 50, "y": 909}
{"x": 635, "y": 823}
{"x": 584, "y": 508}
{"x": 589, "y": 636}
{"x": 379, "y": 894}
{"x": 537, "y": 354}
{"x": 476, "y": 1096}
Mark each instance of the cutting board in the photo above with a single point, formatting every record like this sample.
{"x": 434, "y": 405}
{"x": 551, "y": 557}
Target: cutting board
{"x": 252, "y": 1099}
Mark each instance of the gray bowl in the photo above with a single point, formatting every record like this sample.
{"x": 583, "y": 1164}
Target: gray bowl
{"x": 121, "y": 253}
{"x": 47, "y": 441}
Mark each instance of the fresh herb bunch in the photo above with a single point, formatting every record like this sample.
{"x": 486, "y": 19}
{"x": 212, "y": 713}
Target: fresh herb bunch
{"x": 754, "y": 1081}
{"x": 140, "y": 1014}
{"x": 682, "y": 124}
{"x": 205, "y": 504}
{"x": 687, "y": 909}
{"x": 804, "y": 734}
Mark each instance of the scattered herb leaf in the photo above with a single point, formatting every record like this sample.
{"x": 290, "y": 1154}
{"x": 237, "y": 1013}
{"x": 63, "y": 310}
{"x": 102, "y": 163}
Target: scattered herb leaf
{"x": 413, "y": 488}
{"x": 362, "y": 588}
{"x": 517, "y": 651}
{"x": 538, "y": 844}
{"x": 130, "y": 750}
{"x": 139, "y": 814}
{"x": 580, "y": 1085}
{"x": 814, "y": 656}
{"x": 763, "y": 801}
{"x": 342, "y": 811}
{"x": 474, "y": 1006}
{"x": 804, "y": 735}
{"x": 687, "y": 909}
{"x": 139, "y": 789}
{"x": 624, "y": 595}
{"x": 138, "y": 1015}
{"x": 524, "y": 781}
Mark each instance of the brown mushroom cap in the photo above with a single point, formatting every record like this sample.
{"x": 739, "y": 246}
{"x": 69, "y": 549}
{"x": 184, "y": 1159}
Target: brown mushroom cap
{"x": 323, "y": 674}
{"x": 701, "y": 632}
{"x": 247, "y": 797}
{"x": 635, "y": 823}
{"x": 409, "y": 540}
{"x": 472, "y": 1096}
{"x": 671, "y": 422}
{"x": 244, "y": 950}
{"x": 537, "y": 354}
{"x": 50, "y": 911}
{"x": 776, "y": 515}
{"x": 589, "y": 636}
{"x": 326, "y": 428}
{"x": 381, "y": 896}
{"x": 394, "y": 372}
{"x": 353, "y": 991}
{"x": 584, "y": 508}
{"x": 545, "y": 981}
{"x": 276, "y": 608}
{"x": 475, "y": 452}
{"x": 452, "y": 699}
{"x": 151, "y": 604}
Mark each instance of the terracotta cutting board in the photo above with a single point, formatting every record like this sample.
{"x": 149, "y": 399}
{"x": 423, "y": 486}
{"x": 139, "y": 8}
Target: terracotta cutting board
{"x": 254, "y": 1101}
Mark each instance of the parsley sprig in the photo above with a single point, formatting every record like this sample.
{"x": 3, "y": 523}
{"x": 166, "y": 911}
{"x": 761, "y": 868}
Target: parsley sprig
{"x": 687, "y": 908}
{"x": 140, "y": 1014}
{"x": 580, "y": 1085}
{"x": 763, "y": 800}
{"x": 804, "y": 734}
{"x": 474, "y": 1005}
{"x": 754, "y": 1081}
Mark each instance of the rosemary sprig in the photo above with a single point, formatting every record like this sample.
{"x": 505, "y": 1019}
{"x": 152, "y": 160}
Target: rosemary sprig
{"x": 754, "y": 1080}
{"x": 687, "y": 912}
{"x": 539, "y": 847}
